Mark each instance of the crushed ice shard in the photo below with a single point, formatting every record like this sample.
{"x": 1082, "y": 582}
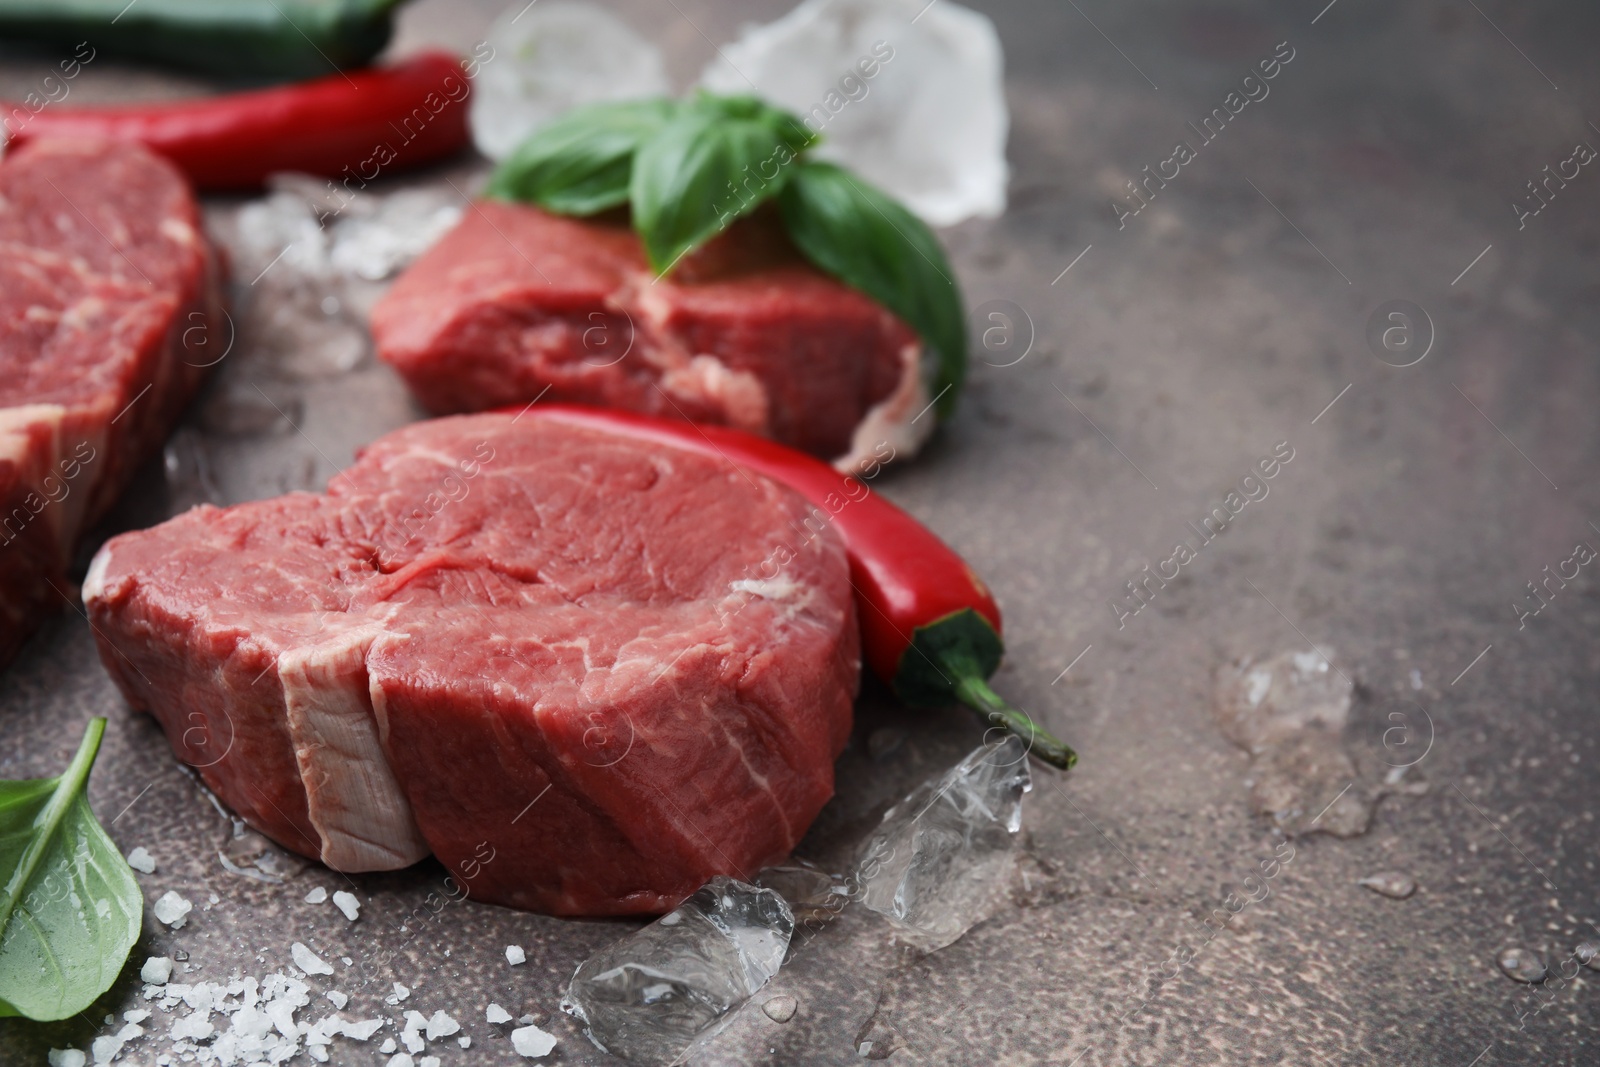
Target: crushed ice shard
{"x": 1289, "y": 712}
{"x": 646, "y": 997}
{"x": 906, "y": 93}
{"x": 941, "y": 857}
{"x": 544, "y": 60}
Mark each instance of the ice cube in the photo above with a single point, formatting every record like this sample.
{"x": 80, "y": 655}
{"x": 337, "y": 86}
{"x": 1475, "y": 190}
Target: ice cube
{"x": 399, "y": 228}
{"x": 1289, "y": 711}
{"x": 814, "y": 896}
{"x": 940, "y": 859}
{"x": 646, "y": 997}
{"x": 552, "y": 57}
{"x": 906, "y": 93}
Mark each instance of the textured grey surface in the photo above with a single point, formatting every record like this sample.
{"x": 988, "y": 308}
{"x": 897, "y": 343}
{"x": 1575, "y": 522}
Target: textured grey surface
{"x": 1207, "y": 330}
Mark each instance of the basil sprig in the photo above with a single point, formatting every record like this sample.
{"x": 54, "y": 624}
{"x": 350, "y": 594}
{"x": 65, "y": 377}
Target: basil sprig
{"x": 69, "y": 907}
{"x": 688, "y": 169}
{"x": 867, "y": 240}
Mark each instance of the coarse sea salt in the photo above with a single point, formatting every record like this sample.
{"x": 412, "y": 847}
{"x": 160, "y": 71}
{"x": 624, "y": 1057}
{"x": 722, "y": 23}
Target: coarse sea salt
{"x": 141, "y": 860}
{"x": 411, "y": 1036}
{"x": 67, "y": 1057}
{"x": 309, "y": 961}
{"x": 532, "y": 1042}
{"x": 172, "y": 909}
{"x": 347, "y": 903}
{"x": 441, "y": 1025}
{"x": 157, "y": 970}
{"x": 515, "y": 955}
{"x": 497, "y": 1015}
{"x": 317, "y": 895}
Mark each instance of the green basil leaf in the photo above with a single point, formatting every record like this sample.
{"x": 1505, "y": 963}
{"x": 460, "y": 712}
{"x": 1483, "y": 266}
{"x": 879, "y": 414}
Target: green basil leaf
{"x": 70, "y": 909}
{"x": 864, "y": 238}
{"x": 581, "y": 163}
{"x": 720, "y": 159}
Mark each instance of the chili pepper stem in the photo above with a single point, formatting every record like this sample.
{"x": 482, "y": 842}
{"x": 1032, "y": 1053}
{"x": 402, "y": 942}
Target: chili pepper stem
{"x": 974, "y": 692}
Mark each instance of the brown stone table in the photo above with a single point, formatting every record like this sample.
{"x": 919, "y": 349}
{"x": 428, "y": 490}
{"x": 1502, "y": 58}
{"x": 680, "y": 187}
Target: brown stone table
{"x": 1223, "y": 318}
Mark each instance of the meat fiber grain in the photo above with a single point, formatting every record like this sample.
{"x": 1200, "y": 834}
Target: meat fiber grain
{"x": 743, "y": 333}
{"x": 585, "y": 672}
{"x": 110, "y": 311}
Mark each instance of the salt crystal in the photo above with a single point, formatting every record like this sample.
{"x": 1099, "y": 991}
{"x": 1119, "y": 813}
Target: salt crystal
{"x": 363, "y": 1031}
{"x": 464, "y": 1041}
{"x": 548, "y": 59}
{"x": 401, "y": 1060}
{"x": 318, "y": 1053}
{"x": 442, "y": 1025}
{"x": 527, "y": 1020}
{"x": 339, "y": 999}
{"x": 104, "y": 1049}
{"x": 192, "y": 1027}
{"x": 309, "y": 961}
{"x": 928, "y": 125}
{"x": 497, "y": 1015}
{"x": 347, "y": 903}
{"x": 172, "y": 909}
{"x": 67, "y": 1057}
{"x": 141, "y": 860}
{"x": 428, "y": 1061}
{"x": 157, "y": 970}
{"x": 532, "y": 1042}
{"x": 400, "y": 992}
{"x": 281, "y": 1012}
{"x": 515, "y": 955}
{"x": 388, "y": 1046}
{"x": 135, "y": 1015}
{"x": 412, "y": 1041}
{"x": 317, "y": 895}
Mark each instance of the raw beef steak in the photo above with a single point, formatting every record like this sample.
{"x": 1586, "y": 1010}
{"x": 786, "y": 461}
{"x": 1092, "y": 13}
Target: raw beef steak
{"x": 585, "y": 672}
{"x": 744, "y": 332}
{"x": 109, "y": 314}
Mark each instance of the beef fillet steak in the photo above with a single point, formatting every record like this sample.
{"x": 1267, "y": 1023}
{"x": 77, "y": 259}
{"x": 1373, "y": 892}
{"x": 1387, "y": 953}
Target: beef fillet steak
{"x": 109, "y": 314}
{"x": 586, "y": 673}
{"x": 744, "y": 332}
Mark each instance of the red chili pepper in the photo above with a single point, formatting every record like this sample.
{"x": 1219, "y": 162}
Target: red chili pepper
{"x": 352, "y": 126}
{"x": 929, "y": 626}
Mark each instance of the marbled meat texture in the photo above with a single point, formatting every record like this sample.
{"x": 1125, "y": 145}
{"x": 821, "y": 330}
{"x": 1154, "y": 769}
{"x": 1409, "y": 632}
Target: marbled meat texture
{"x": 110, "y": 312}
{"x": 585, "y": 672}
{"x": 743, "y": 333}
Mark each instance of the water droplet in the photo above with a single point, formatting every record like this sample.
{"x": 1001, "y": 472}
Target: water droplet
{"x": 1588, "y": 954}
{"x": 781, "y": 1008}
{"x": 1522, "y": 965}
{"x": 1390, "y": 884}
{"x": 179, "y": 955}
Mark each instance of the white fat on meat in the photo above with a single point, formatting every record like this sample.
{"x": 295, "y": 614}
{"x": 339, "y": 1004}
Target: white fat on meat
{"x": 63, "y": 507}
{"x": 357, "y": 807}
{"x": 738, "y": 394}
{"x": 898, "y": 421}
